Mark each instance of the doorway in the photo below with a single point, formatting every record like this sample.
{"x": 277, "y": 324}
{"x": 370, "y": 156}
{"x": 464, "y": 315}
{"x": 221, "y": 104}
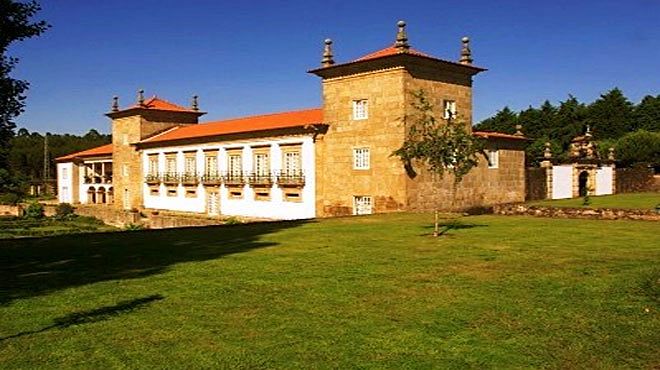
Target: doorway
{"x": 583, "y": 180}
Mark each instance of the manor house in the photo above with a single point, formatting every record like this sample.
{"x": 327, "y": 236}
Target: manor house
{"x": 329, "y": 161}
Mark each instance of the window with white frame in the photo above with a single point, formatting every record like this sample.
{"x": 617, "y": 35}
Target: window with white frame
{"x": 493, "y": 158}
{"x": 261, "y": 165}
{"x": 65, "y": 173}
{"x": 360, "y": 109}
{"x": 449, "y": 109}
{"x": 362, "y": 205}
{"x": 170, "y": 163}
{"x": 235, "y": 164}
{"x": 153, "y": 164}
{"x": 361, "y": 158}
{"x": 190, "y": 164}
{"x": 211, "y": 164}
{"x": 291, "y": 164}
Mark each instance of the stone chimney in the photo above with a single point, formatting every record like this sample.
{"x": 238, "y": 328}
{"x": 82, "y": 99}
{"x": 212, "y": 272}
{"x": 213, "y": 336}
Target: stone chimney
{"x": 466, "y": 53}
{"x": 401, "y": 43}
{"x": 327, "y": 60}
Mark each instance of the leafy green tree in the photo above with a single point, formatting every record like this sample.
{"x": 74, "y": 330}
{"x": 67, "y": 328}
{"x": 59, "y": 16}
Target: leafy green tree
{"x": 639, "y": 147}
{"x": 610, "y": 116}
{"x": 15, "y": 25}
{"x": 504, "y": 120}
{"x": 647, "y": 114}
{"x": 440, "y": 148}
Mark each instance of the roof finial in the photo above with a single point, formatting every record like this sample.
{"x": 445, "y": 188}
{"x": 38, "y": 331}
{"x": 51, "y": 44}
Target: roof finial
{"x": 547, "y": 152}
{"x": 466, "y": 53}
{"x": 195, "y": 103}
{"x": 115, "y": 103}
{"x": 327, "y": 60}
{"x": 141, "y": 97}
{"x": 402, "y": 38}
{"x": 610, "y": 154}
{"x": 519, "y": 130}
{"x": 588, "y": 133}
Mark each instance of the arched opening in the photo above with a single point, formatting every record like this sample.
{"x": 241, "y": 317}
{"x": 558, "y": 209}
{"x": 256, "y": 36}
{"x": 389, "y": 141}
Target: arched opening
{"x": 583, "y": 179}
{"x": 100, "y": 196}
{"x": 110, "y": 196}
{"x": 91, "y": 195}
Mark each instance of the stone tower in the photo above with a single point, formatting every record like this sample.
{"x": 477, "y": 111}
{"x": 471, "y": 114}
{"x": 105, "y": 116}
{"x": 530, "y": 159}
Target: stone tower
{"x": 364, "y": 104}
{"x": 131, "y": 125}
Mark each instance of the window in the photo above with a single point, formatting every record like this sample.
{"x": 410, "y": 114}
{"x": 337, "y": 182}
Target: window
{"x": 262, "y": 194}
{"x": 360, "y": 109}
{"x": 172, "y": 192}
{"x": 153, "y": 164}
{"x": 235, "y": 193}
{"x": 261, "y": 165}
{"x": 125, "y": 139}
{"x": 292, "y": 195}
{"x": 235, "y": 164}
{"x": 211, "y": 164}
{"x": 291, "y": 165}
{"x": 361, "y": 158}
{"x": 493, "y": 158}
{"x": 362, "y": 205}
{"x": 154, "y": 191}
{"x": 190, "y": 164}
{"x": 170, "y": 163}
{"x": 449, "y": 109}
{"x": 191, "y": 193}
{"x": 65, "y": 173}
{"x": 124, "y": 170}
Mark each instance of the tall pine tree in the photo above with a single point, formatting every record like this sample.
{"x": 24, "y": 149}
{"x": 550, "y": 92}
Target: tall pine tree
{"x": 610, "y": 116}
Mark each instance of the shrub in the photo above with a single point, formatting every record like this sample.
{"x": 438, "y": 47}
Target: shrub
{"x": 233, "y": 221}
{"x": 64, "y": 211}
{"x": 133, "y": 227}
{"x": 10, "y": 198}
{"x": 34, "y": 211}
{"x": 639, "y": 146}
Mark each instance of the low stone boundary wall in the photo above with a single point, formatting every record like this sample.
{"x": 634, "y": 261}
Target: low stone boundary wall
{"x": 11, "y": 210}
{"x": 583, "y": 213}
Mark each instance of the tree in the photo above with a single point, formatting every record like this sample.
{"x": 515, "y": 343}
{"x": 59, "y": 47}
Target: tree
{"x": 504, "y": 120}
{"x": 15, "y": 25}
{"x": 439, "y": 148}
{"x": 647, "y": 114}
{"x": 639, "y": 147}
{"x": 610, "y": 116}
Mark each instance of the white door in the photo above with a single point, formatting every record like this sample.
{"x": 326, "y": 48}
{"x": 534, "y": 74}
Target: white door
{"x": 212, "y": 203}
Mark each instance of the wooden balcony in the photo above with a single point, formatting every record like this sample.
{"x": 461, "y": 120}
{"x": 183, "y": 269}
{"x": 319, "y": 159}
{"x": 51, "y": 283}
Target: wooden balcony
{"x": 170, "y": 179}
{"x": 260, "y": 179}
{"x": 189, "y": 179}
{"x": 212, "y": 179}
{"x": 152, "y": 179}
{"x": 290, "y": 179}
{"x": 234, "y": 178}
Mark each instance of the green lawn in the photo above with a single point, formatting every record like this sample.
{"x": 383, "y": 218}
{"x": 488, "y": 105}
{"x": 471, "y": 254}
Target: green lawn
{"x": 369, "y": 292}
{"x": 13, "y": 227}
{"x": 628, "y": 200}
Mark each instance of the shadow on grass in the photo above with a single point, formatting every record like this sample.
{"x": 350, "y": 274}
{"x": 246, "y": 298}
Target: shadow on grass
{"x": 447, "y": 226}
{"x": 35, "y": 266}
{"x": 96, "y": 315}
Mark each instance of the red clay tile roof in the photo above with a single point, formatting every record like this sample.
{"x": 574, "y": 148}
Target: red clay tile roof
{"x": 488, "y": 134}
{"x": 161, "y": 104}
{"x": 391, "y": 50}
{"x": 241, "y": 125}
{"x": 99, "y": 151}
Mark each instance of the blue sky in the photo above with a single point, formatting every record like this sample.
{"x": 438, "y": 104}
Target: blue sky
{"x": 251, "y": 57}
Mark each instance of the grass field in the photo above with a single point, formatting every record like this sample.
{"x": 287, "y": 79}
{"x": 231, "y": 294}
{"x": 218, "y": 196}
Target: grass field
{"x": 368, "y": 292}
{"x": 626, "y": 200}
{"x": 13, "y": 227}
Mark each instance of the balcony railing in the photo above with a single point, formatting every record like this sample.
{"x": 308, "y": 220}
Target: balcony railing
{"x": 189, "y": 179}
{"x": 170, "y": 178}
{"x": 235, "y": 178}
{"x": 152, "y": 179}
{"x": 290, "y": 178}
{"x": 96, "y": 179}
{"x": 260, "y": 179}
{"x": 211, "y": 179}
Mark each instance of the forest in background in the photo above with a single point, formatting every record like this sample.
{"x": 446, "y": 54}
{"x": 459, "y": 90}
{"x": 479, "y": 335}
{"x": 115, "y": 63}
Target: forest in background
{"x": 633, "y": 130}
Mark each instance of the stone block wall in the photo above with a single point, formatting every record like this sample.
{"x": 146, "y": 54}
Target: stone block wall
{"x": 536, "y": 183}
{"x": 635, "y": 179}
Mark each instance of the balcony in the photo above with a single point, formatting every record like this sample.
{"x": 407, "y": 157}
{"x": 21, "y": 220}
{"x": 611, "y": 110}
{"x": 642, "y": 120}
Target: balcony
{"x": 170, "y": 178}
{"x": 234, "y": 178}
{"x": 152, "y": 179}
{"x": 190, "y": 179}
{"x": 211, "y": 179}
{"x": 290, "y": 178}
{"x": 260, "y": 179}
{"x": 96, "y": 179}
